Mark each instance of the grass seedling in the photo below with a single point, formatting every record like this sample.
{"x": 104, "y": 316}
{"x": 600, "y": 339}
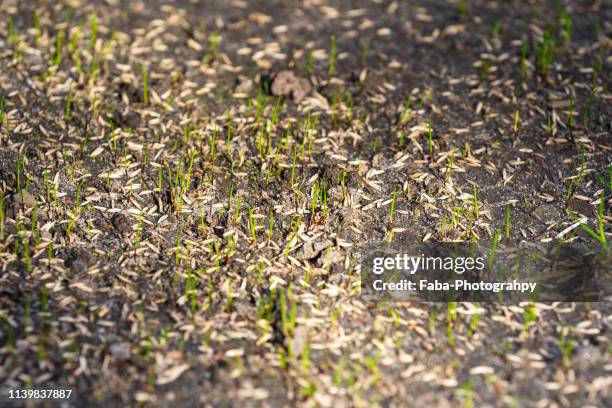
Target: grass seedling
{"x": 19, "y": 170}
{"x": 466, "y": 391}
{"x": 145, "y": 85}
{"x": 2, "y": 217}
{"x": 36, "y": 26}
{"x": 217, "y": 250}
{"x": 566, "y": 24}
{"x": 451, "y": 312}
{"x": 275, "y": 112}
{"x": 2, "y": 113}
{"x": 190, "y": 290}
{"x": 25, "y": 243}
{"x": 336, "y": 101}
{"x": 305, "y": 363}
{"x": 213, "y": 144}
{"x": 59, "y": 41}
{"x": 55, "y": 194}
{"x": 288, "y": 316}
{"x": 495, "y": 29}
{"x": 549, "y": 124}
{"x": 228, "y": 142}
{"x": 496, "y": 239}
{"x": 475, "y": 201}
{"x": 585, "y": 111}
{"x": 237, "y": 209}
{"x": 295, "y": 224}
{"x": 309, "y": 61}
{"x": 451, "y": 164}
{"x": 282, "y": 358}
{"x": 401, "y": 135}
{"x": 545, "y": 51}
{"x": 443, "y": 224}
{"x": 260, "y": 105}
{"x": 262, "y": 141}
{"x": 431, "y": 321}
{"x": 339, "y": 368}
{"x": 308, "y": 274}
{"x": 230, "y": 296}
{"x": 34, "y": 219}
{"x": 430, "y": 138}
{"x": 213, "y": 44}
{"x": 343, "y": 184}
{"x": 177, "y": 252}
{"x": 16, "y": 246}
{"x": 567, "y": 349}
{"x": 13, "y": 39}
{"x": 348, "y": 102}
{"x": 92, "y": 71}
{"x": 392, "y": 208}
{"x": 270, "y": 225}
{"x": 85, "y": 141}
{"x": 310, "y": 130}
{"x": 10, "y": 334}
{"x": 364, "y": 53}
{"x": 405, "y": 118}
{"x": 93, "y": 28}
{"x": 323, "y": 191}
{"x": 507, "y": 222}
{"x": 332, "y": 55}
{"x": 529, "y": 316}
{"x": 202, "y": 220}
{"x": 600, "y": 235}
{"x": 74, "y": 49}
{"x": 375, "y": 144}
{"x": 186, "y": 180}
{"x": 11, "y": 30}
{"x": 450, "y": 335}
{"x": 597, "y": 27}
{"x": 570, "y": 112}
{"x": 517, "y": 123}
{"x": 484, "y": 73}
{"x": 293, "y": 166}
{"x": 75, "y": 212}
{"x": 114, "y": 140}
{"x": 252, "y": 224}
{"x": 462, "y": 4}
{"x": 599, "y": 64}
{"x": 603, "y": 182}
{"x": 473, "y": 324}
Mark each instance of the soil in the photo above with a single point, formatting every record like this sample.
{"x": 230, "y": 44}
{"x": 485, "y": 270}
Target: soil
{"x": 186, "y": 188}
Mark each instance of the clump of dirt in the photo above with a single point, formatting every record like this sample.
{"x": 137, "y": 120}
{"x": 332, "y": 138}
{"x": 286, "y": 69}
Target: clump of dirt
{"x": 285, "y": 83}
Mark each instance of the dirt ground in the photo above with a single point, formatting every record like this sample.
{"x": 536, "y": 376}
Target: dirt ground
{"x": 187, "y": 187}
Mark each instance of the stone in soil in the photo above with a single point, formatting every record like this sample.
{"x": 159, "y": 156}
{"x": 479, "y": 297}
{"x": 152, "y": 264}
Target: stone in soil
{"x": 285, "y": 83}
{"x": 24, "y": 199}
{"x": 121, "y": 223}
{"x": 129, "y": 119}
{"x": 122, "y": 350}
{"x": 546, "y": 212}
{"x": 311, "y": 250}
